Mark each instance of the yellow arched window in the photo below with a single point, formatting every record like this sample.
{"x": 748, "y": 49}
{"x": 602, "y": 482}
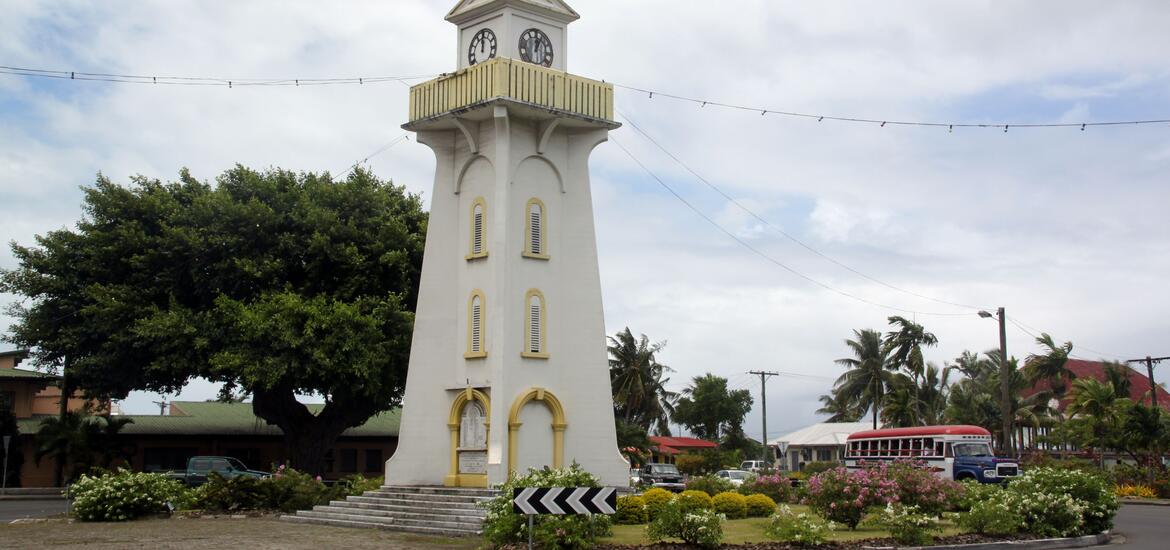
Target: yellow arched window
{"x": 535, "y": 221}
{"x": 478, "y": 248}
{"x": 534, "y": 326}
{"x": 476, "y": 346}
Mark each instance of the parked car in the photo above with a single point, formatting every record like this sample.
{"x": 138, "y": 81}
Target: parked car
{"x": 199, "y": 467}
{"x": 753, "y": 465}
{"x": 736, "y": 477}
{"x": 665, "y": 476}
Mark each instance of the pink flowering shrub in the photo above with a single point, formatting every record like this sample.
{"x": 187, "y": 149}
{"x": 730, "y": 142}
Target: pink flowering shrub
{"x": 842, "y": 496}
{"x": 775, "y": 486}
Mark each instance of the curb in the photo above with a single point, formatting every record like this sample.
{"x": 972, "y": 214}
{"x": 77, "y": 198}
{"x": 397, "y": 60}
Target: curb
{"x": 1145, "y": 502}
{"x": 1038, "y": 544}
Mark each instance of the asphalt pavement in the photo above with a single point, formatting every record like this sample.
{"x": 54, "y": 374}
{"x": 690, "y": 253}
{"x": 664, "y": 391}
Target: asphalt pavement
{"x": 1144, "y": 527}
{"x": 39, "y": 508}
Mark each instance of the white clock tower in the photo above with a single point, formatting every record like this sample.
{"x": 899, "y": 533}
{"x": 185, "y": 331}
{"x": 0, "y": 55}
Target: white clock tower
{"x": 508, "y": 366}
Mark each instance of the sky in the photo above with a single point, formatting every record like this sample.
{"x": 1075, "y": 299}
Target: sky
{"x": 1064, "y": 228}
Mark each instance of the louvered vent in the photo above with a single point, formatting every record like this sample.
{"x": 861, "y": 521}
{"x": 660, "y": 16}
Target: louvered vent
{"x": 535, "y": 230}
{"x": 476, "y": 325}
{"x": 534, "y": 325}
{"x": 477, "y": 230}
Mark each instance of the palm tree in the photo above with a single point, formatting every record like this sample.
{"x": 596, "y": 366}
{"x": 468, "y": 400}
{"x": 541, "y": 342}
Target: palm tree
{"x": 66, "y": 439}
{"x": 639, "y": 389}
{"x": 106, "y": 443}
{"x": 1098, "y": 402}
{"x": 900, "y": 406}
{"x": 1118, "y": 375}
{"x": 869, "y": 371}
{"x": 905, "y": 345}
{"x": 840, "y": 408}
{"x": 1050, "y": 368}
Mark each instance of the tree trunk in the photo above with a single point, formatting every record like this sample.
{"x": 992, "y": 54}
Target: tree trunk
{"x": 307, "y": 437}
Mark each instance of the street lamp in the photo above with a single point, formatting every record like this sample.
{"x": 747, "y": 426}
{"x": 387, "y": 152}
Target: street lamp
{"x": 1005, "y": 374}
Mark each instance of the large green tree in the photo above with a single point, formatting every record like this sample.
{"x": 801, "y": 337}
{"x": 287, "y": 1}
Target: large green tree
{"x": 709, "y": 409}
{"x": 278, "y": 283}
{"x": 637, "y": 378}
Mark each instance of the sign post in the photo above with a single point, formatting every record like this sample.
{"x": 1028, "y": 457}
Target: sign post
{"x": 561, "y": 501}
{"x": 4, "y": 485}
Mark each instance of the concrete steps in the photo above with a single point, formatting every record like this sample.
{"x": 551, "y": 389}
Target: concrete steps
{"x": 429, "y": 510}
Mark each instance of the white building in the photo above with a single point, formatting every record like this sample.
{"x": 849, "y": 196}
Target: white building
{"x": 508, "y": 366}
{"x": 816, "y": 443}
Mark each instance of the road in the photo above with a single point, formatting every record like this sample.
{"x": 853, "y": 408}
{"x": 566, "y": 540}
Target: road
{"x": 17, "y": 509}
{"x": 1144, "y": 527}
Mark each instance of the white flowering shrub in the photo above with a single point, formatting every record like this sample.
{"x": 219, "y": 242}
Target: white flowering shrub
{"x": 1047, "y": 502}
{"x": 125, "y": 495}
{"x": 503, "y": 527}
{"x": 700, "y": 527}
{"x": 802, "y": 528}
{"x": 908, "y": 525}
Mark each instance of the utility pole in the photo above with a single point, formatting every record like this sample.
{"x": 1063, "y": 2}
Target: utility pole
{"x": 764, "y": 403}
{"x": 162, "y": 406}
{"x": 1150, "y": 362}
{"x": 1005, "y": 374}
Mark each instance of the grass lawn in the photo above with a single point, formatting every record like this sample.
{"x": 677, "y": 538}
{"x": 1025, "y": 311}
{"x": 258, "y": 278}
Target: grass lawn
{"x": 219, "y": 533}
{"x": 741, "y": 531}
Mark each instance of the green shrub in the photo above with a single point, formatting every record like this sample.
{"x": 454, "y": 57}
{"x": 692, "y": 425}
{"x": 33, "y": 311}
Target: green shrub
{"x": 803, "y": 528}
{"x": 992, "y": 516}
{"x": 502, "y": 526}
{"x": 125, "y": 495}
{"x": 760, "y": 506}
{"x": 813, "y": 468}
{"x": 975, "y": 492}
{"x": 655, "y": 499}
{"x": 732, "y": 505}
{"x": 693, "y": 500}
{"x": 231, "y": 495}
{"x": 775, "y": 486}
{"x": 702, "y": 528}
{"x": 631, "y": 510}
{"x": 908, "y": 525}
{"x": 290, "y": 490}
{"x": 711, "y": 485}
{"x": 357, "y": 484}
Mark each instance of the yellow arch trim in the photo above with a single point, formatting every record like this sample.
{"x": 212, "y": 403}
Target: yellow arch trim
{"x": 471, "y": 253}
{"x": 524, "y": 351}
{"x": 558, "y": 425}
{"x": 470, "y": 353}
{"x": 454, "y": 478}
{"x": 528, "y": 253}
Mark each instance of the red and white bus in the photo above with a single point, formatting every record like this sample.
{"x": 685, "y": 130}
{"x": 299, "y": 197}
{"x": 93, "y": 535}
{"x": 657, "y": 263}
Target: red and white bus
{"x": 954, "y": 452}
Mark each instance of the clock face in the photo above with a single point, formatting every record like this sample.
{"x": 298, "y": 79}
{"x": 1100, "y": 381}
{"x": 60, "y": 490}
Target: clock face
{"x": 482, "y": 48}
{"x": 535, "y": 47}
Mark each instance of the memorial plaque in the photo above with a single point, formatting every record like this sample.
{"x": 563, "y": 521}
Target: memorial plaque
{"x": 473, "y": 462}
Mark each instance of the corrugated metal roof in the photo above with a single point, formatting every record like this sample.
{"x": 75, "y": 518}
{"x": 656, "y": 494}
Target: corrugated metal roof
{"x": 823, "y": 434}
{"x": 214, "y": 418}
{"x": 21, "y": 374}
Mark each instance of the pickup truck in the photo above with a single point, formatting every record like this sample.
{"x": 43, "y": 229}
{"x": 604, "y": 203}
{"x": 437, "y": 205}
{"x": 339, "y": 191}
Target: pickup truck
{"x": 199, "y": 467}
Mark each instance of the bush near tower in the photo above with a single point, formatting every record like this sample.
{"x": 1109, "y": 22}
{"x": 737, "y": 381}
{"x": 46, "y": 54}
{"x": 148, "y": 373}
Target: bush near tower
{"x": 274, "y": 283}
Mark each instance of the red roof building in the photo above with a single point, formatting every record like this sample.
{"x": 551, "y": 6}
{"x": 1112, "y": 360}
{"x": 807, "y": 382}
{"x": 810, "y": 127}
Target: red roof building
{"x": 664, "y": 449}
{"x": 1139, "y": 384}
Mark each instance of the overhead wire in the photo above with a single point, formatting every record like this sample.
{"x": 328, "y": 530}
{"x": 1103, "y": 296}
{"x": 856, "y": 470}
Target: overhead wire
{"x": 950, "y": 126}
{"x": 389, "y": 145}
{"x": 361, "y": 80}
{"x": 764, "y": 255}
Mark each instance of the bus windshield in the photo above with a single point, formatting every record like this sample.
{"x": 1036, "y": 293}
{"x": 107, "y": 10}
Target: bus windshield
{"x": 971, "y": 449}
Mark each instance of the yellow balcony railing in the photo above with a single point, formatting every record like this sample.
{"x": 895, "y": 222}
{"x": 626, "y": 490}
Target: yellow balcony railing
{"x": 504, "y": 78}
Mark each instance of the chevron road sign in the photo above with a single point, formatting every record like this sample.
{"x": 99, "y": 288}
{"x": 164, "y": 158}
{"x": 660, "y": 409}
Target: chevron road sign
{"x": 535, "y": 501}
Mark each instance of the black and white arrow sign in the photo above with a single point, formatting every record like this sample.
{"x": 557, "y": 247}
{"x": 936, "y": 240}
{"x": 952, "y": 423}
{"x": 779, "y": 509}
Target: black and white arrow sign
{"x": 564, "y": 500}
